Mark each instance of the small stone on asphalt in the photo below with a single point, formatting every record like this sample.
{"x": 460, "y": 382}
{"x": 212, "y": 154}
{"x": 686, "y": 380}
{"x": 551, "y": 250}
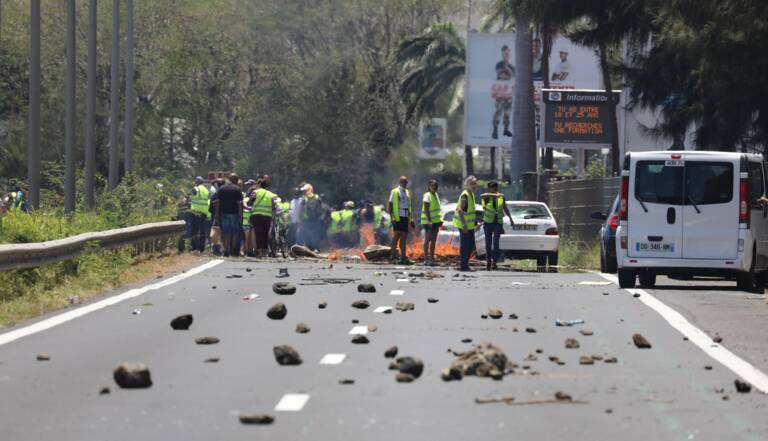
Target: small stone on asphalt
{"x": 322, "y": 305}
{"x": 211, "y": 360}
{"x": 360, "y": 339}
{"x": 586, "y": 332}
{"x": 286, "y": 356}
{"x": 410, "y": 365}
{"x": 530, "y": 330}
{"x": 366, "y": 287}
{"x": 641, "y": 342}
{"x": 495, "y": 313}
{"x": 361, "y": 304}
{"x": 347, "y": 381}
{"x": 206, "y": 340}
{"x": 432, "y": 300}
{"x": 742, "y": 387}
{"x": 43, "y": 357}
{"x": 182, "y": 322}
{"x": 585, "y": 359}
{"x": 405, "y": 306}
{"x": 404, "y": 378}
{"x": 391, "y": 352}
{"x": 572, "y": 343}
{"x": 104, "y": 391}
{"x": 302, "y": 328}
{"x": 256, "y": 418}
{"x": 132, "y": 376}
{"x": 278, "y": 311}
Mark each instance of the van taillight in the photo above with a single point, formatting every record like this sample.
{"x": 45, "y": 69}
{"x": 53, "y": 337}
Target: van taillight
{"x": 613, "y": 222}
{"x": 624, "y": 199}
{"x": 744, "y": 201}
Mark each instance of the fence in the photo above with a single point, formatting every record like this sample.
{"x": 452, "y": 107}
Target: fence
{"x": 30, "y": 255}
{"x": 573, "y": 202}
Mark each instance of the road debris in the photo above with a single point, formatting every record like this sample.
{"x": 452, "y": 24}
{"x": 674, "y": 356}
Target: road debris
{"x": 207, "y": 340}
{"x": 211, "y": 360}
{"x": 256, "y": 418}
{"x": 451, "y": 374}
{"x": 377, "y": 252}
{"x": 373, "y": 328}
{"x": 530, "y": 330}
{"x": 410, "y": 365}
{"x": 250, "y": 297}
{"x": 314, "y": 281}
{"x": 182, "y": 322}
{"x": 641, "y": 342}
{"x": 531, "y": 357}
{"x": 495, "y": 313}
{"x": 432, "y": 300}
{"x": 283, "y": 288}
{"x": 234, "y": 276}
{"x": 366, "y": 287}
{"x": 301, "y": 328}
{"x": 484, "y": 360}
{"x": 611, "y": 360}
{"x": 391, "y": 352}
{"x": 360, "y": 339}
{"x": 322, "y": 305}
{"x": 513, "y": 316}
{"x": 405, "y": 306}
{"x": 136, "y": 311}
{"x": 346, "y": 381}
{"x": 404, "y": 378}
{"x": 717, "y": 339}
{"x": 742, "y": 387}
{"x": 361, "y": 304}
{"x": 278, "y": 311}
{"x": 572, "y": 343}
{"x": 466, "y": 340}
{"x": 43, "y": 357}
{"x": 302, "y": 251}
{"x": 585, "y": 359}
{"x": 586, "y": 332}
{"x": 569, "y": 322}
{"x": 132, "y": 376}
{"x": 597, "y": 357}
{"x": 503, "y": 399}
{"x": 286, "y": 356}
{"x": 282, "y": 273}
{"x": 105, "y": 390}
{"x": 636, "y": 295}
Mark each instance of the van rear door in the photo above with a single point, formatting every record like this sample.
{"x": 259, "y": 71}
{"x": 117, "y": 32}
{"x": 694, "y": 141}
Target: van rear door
{"x": 711, "y": 208}
{"x": 655, "y": 217}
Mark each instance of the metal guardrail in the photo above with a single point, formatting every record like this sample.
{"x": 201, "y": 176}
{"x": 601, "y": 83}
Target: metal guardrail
{"x": 30, "y": 255}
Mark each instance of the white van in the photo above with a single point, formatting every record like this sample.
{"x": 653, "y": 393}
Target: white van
{"x": 689, "y": 213}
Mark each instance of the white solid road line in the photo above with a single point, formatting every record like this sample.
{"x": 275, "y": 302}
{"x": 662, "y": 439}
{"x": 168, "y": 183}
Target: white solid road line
{"x": 79, "y": 312}
{"x": 333, "y": 358}
{"x": 292, "y": 402}
{"x": 739, "y": 366}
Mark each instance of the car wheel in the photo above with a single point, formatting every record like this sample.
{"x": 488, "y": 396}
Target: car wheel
{"x": 746, "y": 281}
{"x": 611, "y": 265}
{"x": 647, "y": 279}
{"x": 626, "y": 278}
{"x": 553, "y": 258}
{"x": 603, "y": 268}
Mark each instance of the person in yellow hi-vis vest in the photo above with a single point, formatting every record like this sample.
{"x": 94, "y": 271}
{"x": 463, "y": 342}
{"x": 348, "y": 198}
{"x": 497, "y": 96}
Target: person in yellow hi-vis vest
{"x": 465, "y": 220}
{"x": 401, "y": 211}
{"x": 494, "y": 209}
{"x": 431, "y": 221}
{"x": 199, "y": 202}
{"x": 263, "y": 207}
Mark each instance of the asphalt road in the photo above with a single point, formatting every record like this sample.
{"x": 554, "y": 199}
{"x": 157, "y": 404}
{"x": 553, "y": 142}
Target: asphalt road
{"x": 662, "y": 393}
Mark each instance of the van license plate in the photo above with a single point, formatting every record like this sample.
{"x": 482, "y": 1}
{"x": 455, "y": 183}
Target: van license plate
{"x": 658, "y": 247}
{"x": 674, "y": 163}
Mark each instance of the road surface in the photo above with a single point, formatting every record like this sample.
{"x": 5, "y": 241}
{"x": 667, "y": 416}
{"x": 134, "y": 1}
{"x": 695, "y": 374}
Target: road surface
{"x": 680, "y": 389}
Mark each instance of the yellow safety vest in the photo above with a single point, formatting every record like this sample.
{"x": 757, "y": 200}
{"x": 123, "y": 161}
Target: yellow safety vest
{"x": 493, "y": 209}
{"x": 469, "y": 216}
{"x": 333, "y": 228}
{"x": 201, "y": 200}
{"x": 347, "y": 221}
{"x": 262, "y": 204}
{"x": 434, "y": 210}
{"x": 395, "y": 196}
{"x": 246, "y": 213}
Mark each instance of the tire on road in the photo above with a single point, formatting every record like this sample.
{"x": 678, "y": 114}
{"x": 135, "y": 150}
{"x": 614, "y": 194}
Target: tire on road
{"x": 552, "y": 259}
{"x": 647, "y": 279}
{"x": 627, "y": 278}
{"x": 746, "y": 281}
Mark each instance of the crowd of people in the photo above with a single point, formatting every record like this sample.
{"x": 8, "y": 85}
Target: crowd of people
{"x": 249, "y": 219}
{"x": 15, "y": 200}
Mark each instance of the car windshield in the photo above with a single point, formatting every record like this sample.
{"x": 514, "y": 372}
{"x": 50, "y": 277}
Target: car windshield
{"x": 528, "y": 211}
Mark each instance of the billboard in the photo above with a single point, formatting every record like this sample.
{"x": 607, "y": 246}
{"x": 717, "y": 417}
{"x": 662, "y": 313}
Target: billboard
{"x": 432, "y": 142}
{"x": 489, "y": 89}
{"x": 576, "y": 118}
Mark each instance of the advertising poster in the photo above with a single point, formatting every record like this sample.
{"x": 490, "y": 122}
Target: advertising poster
{"x": 432, "y": 143}
{"x": 489, "y": 89}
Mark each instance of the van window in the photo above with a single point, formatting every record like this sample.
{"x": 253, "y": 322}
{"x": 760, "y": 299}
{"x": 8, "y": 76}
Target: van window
{"x": 709, "y": 182}
{"x": 755, "y": 182}
{"x": 657, "y": 183}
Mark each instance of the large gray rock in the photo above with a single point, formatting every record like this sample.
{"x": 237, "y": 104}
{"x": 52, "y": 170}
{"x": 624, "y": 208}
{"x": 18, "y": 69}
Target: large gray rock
{"x": 377, "y": 252}
{"x": 278, "y": 311}
{"x": 286, "y": 356}
{"x": 182, "y": 322}
{"x": 360, "y": 304}
{"x": 132, "y": 376}
{"x": 410, "y": 365}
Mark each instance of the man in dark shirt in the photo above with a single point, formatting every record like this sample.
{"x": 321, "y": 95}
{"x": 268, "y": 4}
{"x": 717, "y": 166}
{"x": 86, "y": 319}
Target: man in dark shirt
{"x": 504, "y": 72}
{"x": 229, "y": 211}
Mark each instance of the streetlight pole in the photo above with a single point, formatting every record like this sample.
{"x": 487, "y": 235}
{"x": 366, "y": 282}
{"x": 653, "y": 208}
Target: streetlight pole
{"x": 129, "y": 93}
{"x": 33, "y": 135}
{"x": 114, "y": 97}
{"x": 69, "y": 118}
{"x": 90, "y": 108}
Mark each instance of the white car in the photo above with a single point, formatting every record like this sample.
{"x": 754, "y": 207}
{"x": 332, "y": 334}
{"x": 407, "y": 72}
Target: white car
{"x": 691, "y": 213}
{"x": 534, "y": 235}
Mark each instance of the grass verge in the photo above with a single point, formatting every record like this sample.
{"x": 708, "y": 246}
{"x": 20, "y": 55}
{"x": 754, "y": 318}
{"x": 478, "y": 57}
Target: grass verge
{"x": 573, "y": 256}
{"x": 31, "y": 292}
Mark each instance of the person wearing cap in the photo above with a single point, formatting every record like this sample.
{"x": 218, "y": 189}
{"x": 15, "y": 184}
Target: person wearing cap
{"x": 494, "y": 209}
{"x": 199, "y": 204}
{"x": 431, "y": 221}
{"x": 400, "y": 209}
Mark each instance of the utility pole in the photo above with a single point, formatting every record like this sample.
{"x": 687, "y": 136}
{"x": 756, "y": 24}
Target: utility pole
{"x": 69, "y": 117}
{"x": 114, "y": 97}
{"x": 33, "y": 135}
{"x": 129, "y": 93}
{"x": 90, "y": 109}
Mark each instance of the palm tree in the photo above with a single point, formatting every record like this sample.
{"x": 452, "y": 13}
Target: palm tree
{"x": 434, "y": 62}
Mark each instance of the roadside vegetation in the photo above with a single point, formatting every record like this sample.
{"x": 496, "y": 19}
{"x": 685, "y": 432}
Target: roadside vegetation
{"x": 574, "y": 256}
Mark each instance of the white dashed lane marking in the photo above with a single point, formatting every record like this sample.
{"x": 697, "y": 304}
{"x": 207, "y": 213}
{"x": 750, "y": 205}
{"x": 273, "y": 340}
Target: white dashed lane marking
{"x": 292, "y": 402}
{"x": 396, "y": 292}
{"x": 381, "y": 309}
{"x": 359, "y": 330}
{"x": 333, "y": 358}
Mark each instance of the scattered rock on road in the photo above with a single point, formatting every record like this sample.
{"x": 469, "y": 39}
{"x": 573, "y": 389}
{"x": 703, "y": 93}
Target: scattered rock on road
{"x": 562, "y": 396}
{"x": 391, "y": 352}
{"x": 410, "y": 365}
{"x": 572, "y": 343}
{"x": 405, "y": 306}
{"x": 211, "y": 360}
{"x": 286, "y": 356}
{"x": 322, "y": 305}
{"x": 377, "y": 252}
{"x": 283, "y": 288}
{"x": 347, "y": 381}
{"x": 360, "y": 304}
{"x": 366, "y": 287}
{"x": 104, "y": 391}
{"x": 451, "y": 373}
{"x": 466, "y": 340}
{"x": 585, "y": 359}
{"x": 641, "y": 342}
{"x": 256, "y": 418}
{"x": 302, "y": 328}
{"x": 586, "y": 332}
{"x": 373, "y": 328}
{"x": 132, "y": 376}
{"x": 182, "y": 322}
{"x": 611, "y": 360}
{"x": 717, "y": 339}
{"x": 432, "y": 300}
{"x": 360, "y": 339}
{"x": 742, "y": 387}
{"x": 277, "y": 311}
{"x": 484, "y": 360}
{"x": 530, "y": 330}
{"x": 495, "y": 313}
{"x": 206, "y": 340}
{"x": 43, "y": 357}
